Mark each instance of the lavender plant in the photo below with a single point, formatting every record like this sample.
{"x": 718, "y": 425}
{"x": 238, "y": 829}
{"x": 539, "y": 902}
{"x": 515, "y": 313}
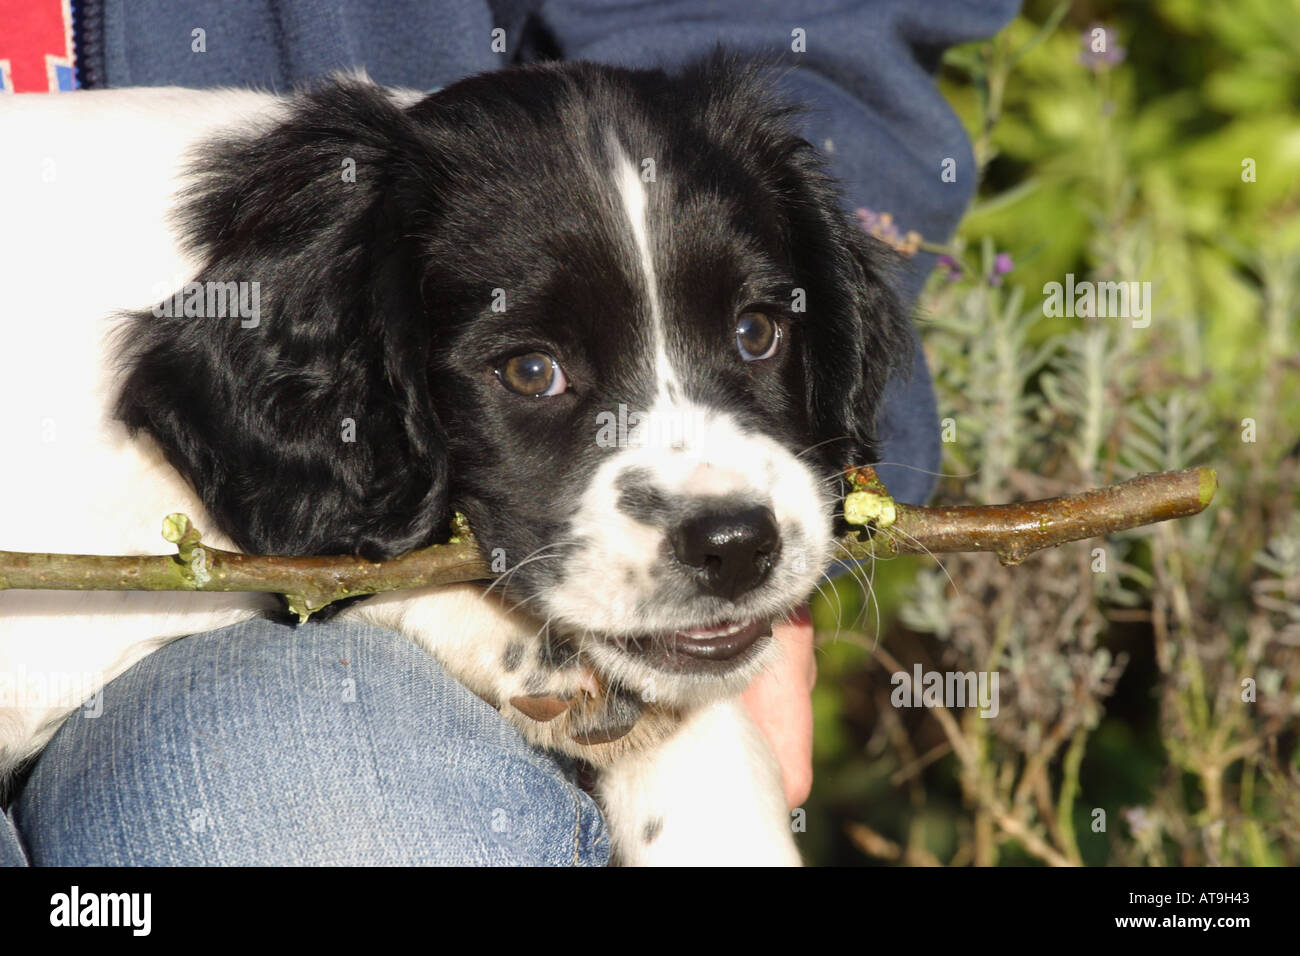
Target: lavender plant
{"x": 1035, "y": 404}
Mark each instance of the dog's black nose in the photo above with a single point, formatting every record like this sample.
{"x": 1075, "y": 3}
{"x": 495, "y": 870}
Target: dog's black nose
{"x": 732, "y": 550}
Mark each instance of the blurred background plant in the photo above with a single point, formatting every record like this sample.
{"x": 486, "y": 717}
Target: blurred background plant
{"x": 1150, "y": 682}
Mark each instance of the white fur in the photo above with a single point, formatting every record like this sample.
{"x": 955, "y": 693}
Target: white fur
{"x": 87, "y": 182}
{"x": 635, "y": 202}
{"x": 723, "y": 786}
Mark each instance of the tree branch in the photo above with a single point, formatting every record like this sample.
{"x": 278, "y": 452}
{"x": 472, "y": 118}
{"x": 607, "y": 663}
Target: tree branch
{"x": 1015, "y": 531}
{"x": 1012, "y": 531}
{"x": 308, "y": 583}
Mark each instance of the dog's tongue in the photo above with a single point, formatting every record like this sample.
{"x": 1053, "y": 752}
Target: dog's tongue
{"x": 722, "y": 642}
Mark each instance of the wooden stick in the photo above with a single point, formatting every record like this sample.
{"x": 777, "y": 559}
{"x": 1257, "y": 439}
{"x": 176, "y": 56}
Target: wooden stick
{"x": 1015, "y": 531}
{"x": 1012, "y": 531}
{"x": 309, "y": 583}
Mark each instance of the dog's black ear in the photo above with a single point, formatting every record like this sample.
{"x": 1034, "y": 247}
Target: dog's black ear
{"x": 870, "y": 328}
{"x": 304, "y": 419}
{"x": 857, "y": 332}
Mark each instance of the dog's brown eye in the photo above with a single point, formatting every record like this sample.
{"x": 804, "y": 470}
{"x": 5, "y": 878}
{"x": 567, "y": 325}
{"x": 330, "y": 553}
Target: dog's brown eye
{"x": 533, "y": 373}
{"x": 757, "y": 336}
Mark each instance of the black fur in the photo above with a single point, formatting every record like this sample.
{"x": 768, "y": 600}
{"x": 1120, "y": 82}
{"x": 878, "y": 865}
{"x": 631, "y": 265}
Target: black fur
{"x": 376, "y": 300}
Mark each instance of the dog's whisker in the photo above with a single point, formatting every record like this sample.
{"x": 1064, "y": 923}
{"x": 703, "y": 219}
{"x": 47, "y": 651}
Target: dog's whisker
{"x": 933, "y": 556}
{"x": 839, "y": 611}
{"x": 867, "y": 582}
{"x": 819, "y": 444}
{"x": 545, "y": 628}
{"x": 920, "y": 470}
{"x": 526, "y": 599}
{"x": 854, "y": 566}
{"x": 535, "y": 555}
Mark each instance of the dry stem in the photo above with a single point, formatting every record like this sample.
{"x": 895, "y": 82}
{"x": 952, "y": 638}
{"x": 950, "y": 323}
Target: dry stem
{"x": 310, "y": 583}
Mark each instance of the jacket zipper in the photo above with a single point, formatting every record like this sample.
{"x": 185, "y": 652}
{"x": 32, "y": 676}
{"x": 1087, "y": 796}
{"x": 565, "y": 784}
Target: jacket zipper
{"x": 88, "y": 42}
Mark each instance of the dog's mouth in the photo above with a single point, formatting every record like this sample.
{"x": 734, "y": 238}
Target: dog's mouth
{"x": 721, "y": 644}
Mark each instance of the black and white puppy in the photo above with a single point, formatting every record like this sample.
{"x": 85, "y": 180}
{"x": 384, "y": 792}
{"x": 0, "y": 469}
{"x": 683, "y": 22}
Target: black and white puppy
{"x": 618, "y": 318}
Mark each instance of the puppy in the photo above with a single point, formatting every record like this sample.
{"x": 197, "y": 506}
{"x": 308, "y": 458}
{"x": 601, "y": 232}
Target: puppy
{"x": 617, "y": 318}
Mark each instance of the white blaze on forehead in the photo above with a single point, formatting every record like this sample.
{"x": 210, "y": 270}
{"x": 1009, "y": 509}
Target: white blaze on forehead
{"x": 632, "y": 194}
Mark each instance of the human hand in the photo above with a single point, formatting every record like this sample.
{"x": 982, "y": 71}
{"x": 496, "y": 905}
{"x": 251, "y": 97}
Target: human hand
{"x": 780, "y": 703}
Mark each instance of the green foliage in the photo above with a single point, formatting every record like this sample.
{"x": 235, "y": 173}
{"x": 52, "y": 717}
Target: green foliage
{"x": 1152, "y": 678}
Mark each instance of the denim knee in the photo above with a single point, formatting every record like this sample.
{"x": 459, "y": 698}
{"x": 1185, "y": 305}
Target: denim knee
{"x": 335, "y": 743}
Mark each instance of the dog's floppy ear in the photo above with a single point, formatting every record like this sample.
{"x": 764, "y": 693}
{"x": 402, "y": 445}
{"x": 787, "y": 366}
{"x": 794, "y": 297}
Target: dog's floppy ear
{"x": 867, "y": 325}
{"x": 857, "y": 332}
{"x": 304, "y": 420}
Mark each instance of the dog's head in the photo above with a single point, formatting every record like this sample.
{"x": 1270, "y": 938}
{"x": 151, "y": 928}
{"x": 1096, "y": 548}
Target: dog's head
{"x": 616, "y": 317}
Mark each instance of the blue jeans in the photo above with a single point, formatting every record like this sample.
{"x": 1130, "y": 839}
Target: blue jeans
{"x": 260, "y": 744}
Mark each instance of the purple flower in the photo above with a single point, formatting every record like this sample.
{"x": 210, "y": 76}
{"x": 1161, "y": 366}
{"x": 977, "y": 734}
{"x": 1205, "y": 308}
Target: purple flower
{"x": 1002, "y": 264}
{"x": 1100, "y": 51}
{"x": 881, "y": 225}
{"x": 951, "y": 267}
